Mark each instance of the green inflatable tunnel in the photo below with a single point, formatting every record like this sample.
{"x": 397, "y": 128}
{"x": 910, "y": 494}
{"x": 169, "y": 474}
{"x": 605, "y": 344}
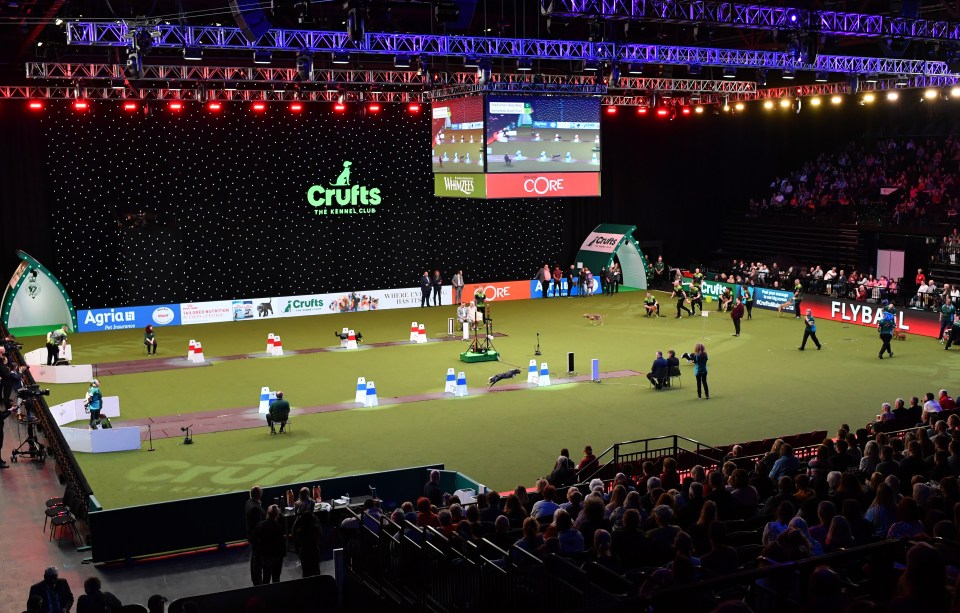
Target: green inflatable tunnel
{"x": 613, "y": 240}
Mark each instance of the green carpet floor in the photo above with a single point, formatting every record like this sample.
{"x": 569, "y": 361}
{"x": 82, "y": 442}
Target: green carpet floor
{"x": 761, "y": 386}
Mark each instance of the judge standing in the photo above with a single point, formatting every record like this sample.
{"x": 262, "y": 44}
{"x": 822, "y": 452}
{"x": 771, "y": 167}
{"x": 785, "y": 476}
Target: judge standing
{"x": 809, "y": 330}
{"x": 736, "y": 314}
{"x": 700, "y": 370}
{"x": 425, "y": 290}
{"x": 437, "y": 283}
{"x": 457, "y": 283}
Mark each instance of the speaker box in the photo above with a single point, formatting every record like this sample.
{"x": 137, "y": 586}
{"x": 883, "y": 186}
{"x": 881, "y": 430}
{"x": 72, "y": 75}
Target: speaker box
{"x": 250, "y": 19}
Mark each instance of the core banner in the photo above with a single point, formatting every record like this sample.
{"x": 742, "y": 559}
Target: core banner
{"x": 543, "y": 185}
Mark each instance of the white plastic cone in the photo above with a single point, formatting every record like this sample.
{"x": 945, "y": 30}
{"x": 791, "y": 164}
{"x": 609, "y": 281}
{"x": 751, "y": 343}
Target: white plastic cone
{"x": 532, "y": 375}
{"x": 544, "y": 379}
{"x": 370, "y": 400}
{"x": 277, "y": 346}
{"x": 422, "y": 334}
{"x": 414, "y": 332}
{"x": 270, "y": 344}
{"x": 190, "y": 350}
{"x": 198, "y": 353}
{"x": 461, "y": 385}
{"x": 266, "y": 397}
{"x": 451, "y": 384}
{"x": 351, "y": 340}
{"x": 343, "y": 340}
{"x": 361, "y": 395}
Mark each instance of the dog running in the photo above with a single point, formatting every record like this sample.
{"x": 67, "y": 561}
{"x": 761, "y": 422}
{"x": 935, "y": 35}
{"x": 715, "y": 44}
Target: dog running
{"x": 594, "y": 318}
{"x": 510, "y": 374}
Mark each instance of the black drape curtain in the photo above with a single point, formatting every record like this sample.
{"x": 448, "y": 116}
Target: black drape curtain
{"x": 25, "y": 224}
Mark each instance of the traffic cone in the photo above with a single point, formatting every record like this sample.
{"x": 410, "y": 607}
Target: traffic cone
{"x": 414, "y": 332}
{"x": 277, "y": 346}
{"x": 343, "y": 340}
{"x": 190, "y": 350}
{"x": 351, "y": 340}
{"x": 198, "y": 353}
{"x": 270, "y": 344}
{"x": 361, "y": 395}
{"x": 370, "y": 400}
{"x": 422, "y": 334}
{"x": 461, "y": 385}
{"x": 532, "y": 374}
{"x": 544, "y": 379}
{"x": 451, "y": 385}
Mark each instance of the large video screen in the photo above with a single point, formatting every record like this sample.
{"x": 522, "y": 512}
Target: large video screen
{"x": 542, "y": 134}
{"x": 457, "y": 135}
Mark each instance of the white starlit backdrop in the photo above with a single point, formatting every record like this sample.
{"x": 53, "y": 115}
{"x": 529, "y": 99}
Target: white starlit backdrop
{"x": 227, "y": 198}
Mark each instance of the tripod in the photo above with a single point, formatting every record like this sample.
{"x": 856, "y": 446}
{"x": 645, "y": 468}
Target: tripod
{"x": 34, "y": 449}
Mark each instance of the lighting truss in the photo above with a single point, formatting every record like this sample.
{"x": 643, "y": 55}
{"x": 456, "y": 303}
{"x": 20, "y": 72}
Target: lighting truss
{"x": 206, "y": 95}
{"x": 219, "y": 76}
{"x": 223, "y": 38}
{"x": 829, "y": 89}
{"x": 753, "y": 16}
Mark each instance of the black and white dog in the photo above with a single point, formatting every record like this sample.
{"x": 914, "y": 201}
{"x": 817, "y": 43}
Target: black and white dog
{"x": 265, "y": 308}
{"x": 510, "y": 374}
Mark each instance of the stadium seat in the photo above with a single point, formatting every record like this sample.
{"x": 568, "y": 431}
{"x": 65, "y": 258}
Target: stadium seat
{"x": 60, "y": 523}
{"x": 674, "y": 374}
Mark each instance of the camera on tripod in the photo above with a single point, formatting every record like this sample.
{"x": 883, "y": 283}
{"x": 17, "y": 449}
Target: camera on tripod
{"x": 12, "y": 346}
{"x": 32, "y": 391}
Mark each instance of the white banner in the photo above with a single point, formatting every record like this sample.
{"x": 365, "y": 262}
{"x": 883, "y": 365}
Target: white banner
{"x": 599, "y": 241}
{"x": 206, "y": 312}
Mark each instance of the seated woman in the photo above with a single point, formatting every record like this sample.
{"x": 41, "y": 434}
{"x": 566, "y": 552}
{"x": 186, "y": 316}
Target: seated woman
{"x": 150, "y": 340}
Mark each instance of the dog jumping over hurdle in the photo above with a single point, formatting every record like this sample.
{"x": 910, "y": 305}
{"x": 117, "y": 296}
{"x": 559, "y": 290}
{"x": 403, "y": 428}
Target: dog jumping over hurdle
{"x": 594, "y": 318}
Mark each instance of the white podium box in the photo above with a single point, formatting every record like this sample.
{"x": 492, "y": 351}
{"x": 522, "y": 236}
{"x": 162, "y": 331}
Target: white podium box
{"x": 102, "y": 441}
{"x": 38, "y": 357}
{"x": 72, "y": 410}
{"x": 82, "y": 373}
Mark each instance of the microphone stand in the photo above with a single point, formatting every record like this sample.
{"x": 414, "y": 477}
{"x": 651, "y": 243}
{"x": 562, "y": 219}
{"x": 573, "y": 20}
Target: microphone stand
{"x": 150, "y": 434}
{"x": 537, "y": 351}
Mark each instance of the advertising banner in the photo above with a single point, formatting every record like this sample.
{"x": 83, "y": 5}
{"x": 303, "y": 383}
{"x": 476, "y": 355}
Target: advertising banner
{"x": 97, "y": 320}
{"x": 767, "y": 298}
{"x": 450, "y": 185}
{"x": 378, "y": 300}
{"x": 206, "y": 312}
{"x": 537, "y": 292}
{"x": 911, "y": 321}
{"x": 543, "y": 185}
{"x": 712, "y": 289}
{"x": 498, "y": 291}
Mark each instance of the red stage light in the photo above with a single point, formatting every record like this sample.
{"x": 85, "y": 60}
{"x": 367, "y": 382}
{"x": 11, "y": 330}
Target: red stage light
{"x": 175, "y": 106}
{"x": 129, "y": 106}
{"x": 662, "y": 112}
{"x": 374, "y": 107}
{"x": 642, "y": 110}
{"x": 81, "y": 105}
{"x": 214, "y": 106}
{"x": 685, "y": 110}
{"x": 259, "y": 107}
{"x": 296, "y": 107}
{"x": 611, "y": 110}
{"x": 35, "y": 105}
{"x": 339, "y": 107}
{"x": 413, "y": 107}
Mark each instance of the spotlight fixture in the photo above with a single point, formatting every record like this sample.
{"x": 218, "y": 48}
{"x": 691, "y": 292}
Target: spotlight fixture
{"x": 340, "y": 57}
{"x": 374, "y": 107}
{"x": 524, "y": 64}
{"x": 893, "y": 96}
{"x": 192, "y": 54}
{"x": 175, "y": 106}
{"x": 339, "y": 107}
{"x": 784, "y": 103}
{"x": 789, "y": 73}
{"x": 872, "y": 77}
{"x": 635, "y": 68}
{"x": 611, "y": 110}
{"x": 130, "y": 106}
{"x": 762, "y": 77}
{"x": 81, "y": 105}
{"x": 214, "y": 106}
{"x": 305, "y": 66}
{"x": 401, "y": 61}
{"x": 413, "y": 107}
{"x": 591, "y": 65}
{"x": 902, "y": 81}
{"x": 931, "y": 94}
{"x": 955, "y": 92}
{"x": 815, "y": 101}
{"x": 868, "y": 98}
{"x": 729, "y": 72}
{"x": 259, "y": 107}
{"x": 642, "y": 110}
{"x": 695, "y": 69}
{"x": 738, "y": 106}
{"x": 296, "y": 107}
{"x": 768, "y": 105}
{"x": 698, "y": 110}
{"x": 685, "y": 110}
{"x": 836, "y": 99}
{"x": 471, "y": 61}
{"x": 262, "y": 57}
{"x": 822, "y": 77}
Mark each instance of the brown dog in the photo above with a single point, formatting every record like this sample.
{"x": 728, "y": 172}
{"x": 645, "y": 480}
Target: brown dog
{"x": 900, "y": 335}
{"x": 594, "y": 318}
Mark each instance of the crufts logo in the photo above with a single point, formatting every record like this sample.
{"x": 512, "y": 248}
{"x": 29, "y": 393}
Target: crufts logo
{"x": 464, "y": 185}
{"x": 602, "y": 241}
{"x": 342, "y": 198}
